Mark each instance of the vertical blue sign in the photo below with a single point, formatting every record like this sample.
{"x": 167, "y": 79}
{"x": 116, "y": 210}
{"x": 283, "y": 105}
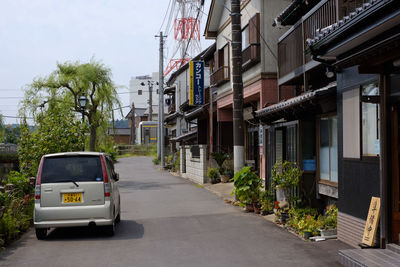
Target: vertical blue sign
{"x": 196, "y": 94}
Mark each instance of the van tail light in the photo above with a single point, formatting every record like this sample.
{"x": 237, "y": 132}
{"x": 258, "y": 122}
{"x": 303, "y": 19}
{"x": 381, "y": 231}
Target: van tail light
{"x": 107, "y": 186}
{"x": 39, "y": 179}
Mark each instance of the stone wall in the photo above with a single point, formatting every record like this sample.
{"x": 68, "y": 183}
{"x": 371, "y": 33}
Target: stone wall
{"x": 194, "y": 168}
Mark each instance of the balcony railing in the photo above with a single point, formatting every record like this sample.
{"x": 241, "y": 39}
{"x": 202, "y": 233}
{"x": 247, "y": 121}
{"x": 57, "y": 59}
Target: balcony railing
{"x": 251, "y": 55}
{"x": 220, "y": 76}
{"x": 292, "y": 45}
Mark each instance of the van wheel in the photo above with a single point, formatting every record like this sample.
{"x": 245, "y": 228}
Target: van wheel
{"x": 118, "y": 218}
{"x": 110, "y": 229}
{"x": 41, "y": 233}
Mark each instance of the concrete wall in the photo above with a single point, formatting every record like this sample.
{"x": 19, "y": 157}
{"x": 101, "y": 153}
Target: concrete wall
{"x": 194, "y": 169}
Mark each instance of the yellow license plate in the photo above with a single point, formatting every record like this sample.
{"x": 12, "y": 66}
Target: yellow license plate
{"x": 72, "y": 198}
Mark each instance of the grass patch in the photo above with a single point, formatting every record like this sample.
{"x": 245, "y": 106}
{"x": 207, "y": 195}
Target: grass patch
{"x": 198, "y": 185}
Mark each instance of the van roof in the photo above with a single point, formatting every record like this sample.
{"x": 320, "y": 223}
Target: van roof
{"x": 74, "y": 154}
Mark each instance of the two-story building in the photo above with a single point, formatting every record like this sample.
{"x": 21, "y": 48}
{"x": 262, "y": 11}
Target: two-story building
{"x": 259, "y": 45}
{"x": 362, "y": 46}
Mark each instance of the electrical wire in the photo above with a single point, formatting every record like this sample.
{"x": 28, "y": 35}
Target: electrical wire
{"x": 191, "y": 34}
{"x": 165, "y": 16}
{"x": 262, "y": 37}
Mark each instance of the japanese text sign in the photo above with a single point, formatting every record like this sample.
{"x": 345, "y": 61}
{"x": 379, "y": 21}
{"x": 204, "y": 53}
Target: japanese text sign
{"x": 371, "y": 225}
{"x": 196, "y": 88}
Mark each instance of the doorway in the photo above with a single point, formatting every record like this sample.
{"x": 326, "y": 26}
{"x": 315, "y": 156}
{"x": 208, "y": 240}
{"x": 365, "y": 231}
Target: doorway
{"x": 395, "y": 184}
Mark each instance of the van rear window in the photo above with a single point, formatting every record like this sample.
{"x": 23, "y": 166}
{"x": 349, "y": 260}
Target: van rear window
{"x": 72, "y": 168}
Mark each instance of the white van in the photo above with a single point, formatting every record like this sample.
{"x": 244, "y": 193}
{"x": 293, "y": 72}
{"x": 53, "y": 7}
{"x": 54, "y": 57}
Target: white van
{"x": 76, "y": 189}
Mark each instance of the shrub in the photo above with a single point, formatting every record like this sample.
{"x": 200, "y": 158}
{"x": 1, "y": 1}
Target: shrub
{"x": 330, "y": 218}
{"x": 247, "y": 186}
{"x": 285, "y": 174}
{"x": 155, "y": 160}
{"x": 213, "y": 174}
{"x": 267, "y": 200}
{"x": 20, "y": 181}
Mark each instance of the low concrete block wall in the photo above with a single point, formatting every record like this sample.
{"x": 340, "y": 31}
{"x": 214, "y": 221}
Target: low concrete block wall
{"x": 194, "y": 168}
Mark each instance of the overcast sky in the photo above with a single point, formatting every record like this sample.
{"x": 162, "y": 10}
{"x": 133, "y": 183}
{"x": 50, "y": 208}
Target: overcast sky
{"x": 36, "y": 34}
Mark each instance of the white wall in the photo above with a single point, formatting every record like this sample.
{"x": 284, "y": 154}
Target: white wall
{"x": 140, "y": 101}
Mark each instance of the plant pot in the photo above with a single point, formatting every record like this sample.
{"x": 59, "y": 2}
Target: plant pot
{"x": 284, "y": 217}
{"x": 264, "y": 212}
{"x": 328, "y": 232}
{"x": 281, "y": 194}
{"x": 307, "y": 234}
{"x": 256, "y": 208}
{"x": 249, "y": 208}
{"x": 224, "y": 178}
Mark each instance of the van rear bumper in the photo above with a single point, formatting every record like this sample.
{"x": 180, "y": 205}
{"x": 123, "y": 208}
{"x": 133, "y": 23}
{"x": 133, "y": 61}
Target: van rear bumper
{"x": 72, "y": 223}
{"x": 48, "y": 217}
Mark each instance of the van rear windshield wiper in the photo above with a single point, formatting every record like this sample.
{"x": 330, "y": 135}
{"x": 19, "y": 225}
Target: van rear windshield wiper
{"x": 69, "y": 180}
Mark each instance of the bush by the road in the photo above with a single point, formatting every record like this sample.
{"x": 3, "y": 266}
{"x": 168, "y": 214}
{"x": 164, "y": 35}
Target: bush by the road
{"x": 16, "y": 207}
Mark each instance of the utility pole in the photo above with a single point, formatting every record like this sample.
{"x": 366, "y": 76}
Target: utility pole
{"x": 237, "y": 86}
{"x": 150, "y": 83}
{"x": 160, "y": 139}
{"x": 133, "y": 126}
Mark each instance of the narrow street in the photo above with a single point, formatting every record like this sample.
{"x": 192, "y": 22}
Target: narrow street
{"x": 168, "y": 221}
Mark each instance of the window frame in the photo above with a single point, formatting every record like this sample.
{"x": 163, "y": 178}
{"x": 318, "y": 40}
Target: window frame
{"x": 364, "y": 99}
{"x": 317, "y": 149}
{"x": 246, "y": 27}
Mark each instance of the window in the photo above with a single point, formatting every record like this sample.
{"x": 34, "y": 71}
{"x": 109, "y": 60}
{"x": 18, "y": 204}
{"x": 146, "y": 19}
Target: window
{"x": 139, "y": 92}
{"x": 245, "y": 37}
{"x": 328, "y": 149}
{"x": 370, "y": 119}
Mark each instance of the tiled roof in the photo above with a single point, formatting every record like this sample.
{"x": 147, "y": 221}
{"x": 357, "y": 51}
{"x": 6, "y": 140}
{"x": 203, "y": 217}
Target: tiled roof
{"x": 172, "y": 116}
{"x": 295, "y": 100}
{"x": 321, "y": 34}
{"x": 185, "y": 136}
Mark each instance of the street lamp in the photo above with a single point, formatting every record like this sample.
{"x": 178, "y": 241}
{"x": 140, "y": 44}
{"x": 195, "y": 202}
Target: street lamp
{"x": 82, "y": 103}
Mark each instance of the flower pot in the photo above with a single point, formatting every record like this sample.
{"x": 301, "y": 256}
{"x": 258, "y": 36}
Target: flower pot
{"x": 224, "y": 178}
{"x": 307, "y": 234}
{"x": 249, "y": 208}
{"x": 281, "y": 194}
{"x": 256, "y": 208}
{"x": 284, "y": 217}
{"x": 328, "y": 232}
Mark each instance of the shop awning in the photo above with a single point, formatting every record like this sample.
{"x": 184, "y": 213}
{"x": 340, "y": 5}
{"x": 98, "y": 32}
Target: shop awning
{"x": 308, "y": 102}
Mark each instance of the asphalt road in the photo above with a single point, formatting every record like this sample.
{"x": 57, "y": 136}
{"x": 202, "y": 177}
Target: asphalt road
{"x": 168, "y": 221}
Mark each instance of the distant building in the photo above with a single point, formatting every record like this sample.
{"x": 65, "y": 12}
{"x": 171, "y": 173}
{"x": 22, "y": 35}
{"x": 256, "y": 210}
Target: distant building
{"x": 139, "y": 94}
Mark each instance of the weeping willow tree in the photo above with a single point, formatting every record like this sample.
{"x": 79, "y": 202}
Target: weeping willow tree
{"x": 62, "y": 89}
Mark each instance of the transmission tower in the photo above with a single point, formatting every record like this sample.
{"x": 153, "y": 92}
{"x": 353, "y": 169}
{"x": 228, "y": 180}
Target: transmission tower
{"x": 187, "y": 17}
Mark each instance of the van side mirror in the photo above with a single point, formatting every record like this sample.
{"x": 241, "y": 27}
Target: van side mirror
{"x": 116, "y": 177}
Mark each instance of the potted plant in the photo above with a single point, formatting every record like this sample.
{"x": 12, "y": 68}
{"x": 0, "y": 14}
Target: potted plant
{"x": 285, "y": 175}
{"x": 213, "y": 174}
{"x": 226, "y": 170}
{"x": 329, "y": 224}
{"x": 266, "y": 201}
{"x": 308, "y": 226}
{"x": 247, "y": 187}
{"x": 220, "y": 158}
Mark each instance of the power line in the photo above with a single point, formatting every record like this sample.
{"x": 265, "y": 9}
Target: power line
{"x": 15, "y": 117}
{"x": 165, "y": 16}
{"x": 262, "y": 37}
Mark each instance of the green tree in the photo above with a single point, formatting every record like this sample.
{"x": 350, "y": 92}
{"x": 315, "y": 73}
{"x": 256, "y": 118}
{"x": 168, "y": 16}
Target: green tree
{"x": 12, "y": 134}
{"x": 57, "y": 131}
{"x": 72, "y": 80}
{"x": 2, "y": 129}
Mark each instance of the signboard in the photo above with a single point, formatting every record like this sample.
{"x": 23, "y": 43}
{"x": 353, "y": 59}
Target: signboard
{"x": 196, "y": 88}
{"x": 371, "y": 225}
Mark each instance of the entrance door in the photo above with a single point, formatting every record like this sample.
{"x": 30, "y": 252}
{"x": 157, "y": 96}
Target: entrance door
{"x": 395, "y": 172}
